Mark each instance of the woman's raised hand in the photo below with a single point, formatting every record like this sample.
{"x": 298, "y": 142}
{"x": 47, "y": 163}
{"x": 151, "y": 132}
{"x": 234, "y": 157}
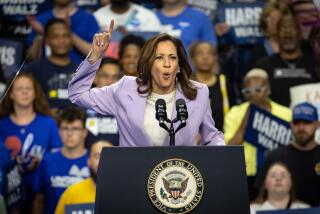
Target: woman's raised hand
{"x": 101, "y": 42}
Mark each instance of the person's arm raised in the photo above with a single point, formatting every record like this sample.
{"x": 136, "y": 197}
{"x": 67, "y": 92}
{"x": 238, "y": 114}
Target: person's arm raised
{"x": 100, "y": 44}
{"x": 102, "y": 100}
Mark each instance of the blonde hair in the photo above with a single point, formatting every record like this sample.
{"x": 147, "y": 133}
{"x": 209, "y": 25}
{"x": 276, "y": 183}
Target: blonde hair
{"x": 268, "y": 8}
{"x": 257, "y": 73}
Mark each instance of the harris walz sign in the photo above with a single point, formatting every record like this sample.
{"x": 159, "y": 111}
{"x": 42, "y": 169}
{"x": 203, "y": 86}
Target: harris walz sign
{"x": 266, "y": 131}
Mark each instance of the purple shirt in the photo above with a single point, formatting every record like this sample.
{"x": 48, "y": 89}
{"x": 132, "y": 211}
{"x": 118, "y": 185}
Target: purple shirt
{"x": 128, "y": 106}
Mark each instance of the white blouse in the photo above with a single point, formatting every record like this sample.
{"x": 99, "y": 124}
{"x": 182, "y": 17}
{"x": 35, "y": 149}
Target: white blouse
{"x": 156, "y": 134}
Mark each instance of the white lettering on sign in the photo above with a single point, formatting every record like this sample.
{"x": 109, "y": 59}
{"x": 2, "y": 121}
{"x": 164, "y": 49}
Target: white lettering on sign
{"x": 245, "y": 21}
{"x": 7, "y": 55}
{"x": 270, "y": 131}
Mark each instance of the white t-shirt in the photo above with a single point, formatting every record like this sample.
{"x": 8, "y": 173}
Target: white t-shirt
{"x": 156, "y": 134}
{"x": 137, "y": 18}
{"x": 267, "y": 206}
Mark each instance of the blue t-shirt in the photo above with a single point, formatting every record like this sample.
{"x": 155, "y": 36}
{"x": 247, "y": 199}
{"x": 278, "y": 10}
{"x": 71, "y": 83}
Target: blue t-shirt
{"x": 82, "y": 23}
{"x": 37, "y": 138}
{"x": 190, "y": 26}
{"x": 54, "y": 82}
{"x": 56, "y": 173}
{"x": 5, "y": 159}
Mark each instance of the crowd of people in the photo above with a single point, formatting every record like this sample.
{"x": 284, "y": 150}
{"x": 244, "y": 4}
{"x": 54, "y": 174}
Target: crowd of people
{"x": 93, "y": 77}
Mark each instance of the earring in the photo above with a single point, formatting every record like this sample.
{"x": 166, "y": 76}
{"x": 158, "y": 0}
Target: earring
{"x": 178, "y": 71}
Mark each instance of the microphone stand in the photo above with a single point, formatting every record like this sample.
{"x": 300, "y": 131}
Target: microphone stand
{"x": 172, "y": 132}
{"x": 172, "y": 135}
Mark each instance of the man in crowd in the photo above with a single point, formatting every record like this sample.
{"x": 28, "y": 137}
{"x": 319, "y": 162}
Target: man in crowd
{"x": 68, "y": 166}
{"x": 83, "y": 27}
{"x": 55, "y": 71}
{"x": 108, "y": 72}
{"x": 292, "y": 66}
{"x": 104, "y": 126}
{"x": 84, "y": 192}
{"x": 127, "y": 16}
{"x": 186, "y": 23}
{"x": 303, "y": 155}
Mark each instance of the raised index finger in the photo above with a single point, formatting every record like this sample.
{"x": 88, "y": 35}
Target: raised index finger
{"x": 111, "y": 26}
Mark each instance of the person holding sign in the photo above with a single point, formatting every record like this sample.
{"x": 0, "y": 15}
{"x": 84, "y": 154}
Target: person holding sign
{"x": 277, "y": 191}
{"x": 256, "y": 90}
{"x": 303, "y": 155}
{"x": 164, "y": 73}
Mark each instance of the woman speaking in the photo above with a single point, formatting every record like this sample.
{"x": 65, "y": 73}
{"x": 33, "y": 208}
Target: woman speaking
{"x": 163, "y": 73}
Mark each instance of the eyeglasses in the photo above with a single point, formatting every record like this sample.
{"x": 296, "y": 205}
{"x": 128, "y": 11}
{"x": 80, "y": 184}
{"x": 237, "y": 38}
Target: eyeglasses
{"x": 247, "y": 91}
{"x": 72, "y": 130}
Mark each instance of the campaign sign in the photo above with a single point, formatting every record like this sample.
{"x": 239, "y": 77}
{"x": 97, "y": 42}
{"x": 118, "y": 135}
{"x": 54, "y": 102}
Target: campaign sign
{"x": 79, "y": 209}
{"x": 10, "y": 56}
{"x": 13, "y": 14}
{"x": 266, "y": 131}
{"x": 243, "y": 21}
{"x": 292, "y": 211}
{"x": 14, "y": 189}
{"x": 101, "y": 127}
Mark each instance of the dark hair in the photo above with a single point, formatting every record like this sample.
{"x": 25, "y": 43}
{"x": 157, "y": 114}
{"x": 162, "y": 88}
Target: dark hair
{"x": 130, "y": 39}
{"x": 263, "y": 194}
{"x": 109, "y": 60}
{"x": 194, "y": 46}
{"x": 267, "y": 9}
{"x": 53, "y": 22}
{"x": 294, "y": 20}
{"x": 70, "y": 114}
{"x": 40, "y": 104}
{"x": 147, "y": 58}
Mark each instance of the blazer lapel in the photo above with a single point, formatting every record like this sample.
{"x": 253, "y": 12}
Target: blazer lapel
{"x": 136, "y": 109}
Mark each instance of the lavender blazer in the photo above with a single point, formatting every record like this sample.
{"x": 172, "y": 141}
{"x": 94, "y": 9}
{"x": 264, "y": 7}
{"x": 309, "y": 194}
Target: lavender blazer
{"x": 123, "y": 101}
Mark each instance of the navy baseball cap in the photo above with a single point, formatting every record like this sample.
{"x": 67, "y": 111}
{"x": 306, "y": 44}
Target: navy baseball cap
{"x": 304, "y": 111}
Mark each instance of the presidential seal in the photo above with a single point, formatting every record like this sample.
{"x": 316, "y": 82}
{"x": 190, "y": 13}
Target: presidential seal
{"x": 175, "y": 186}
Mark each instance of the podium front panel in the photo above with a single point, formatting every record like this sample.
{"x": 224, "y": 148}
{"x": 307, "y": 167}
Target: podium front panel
{"x": 124, "y": 172}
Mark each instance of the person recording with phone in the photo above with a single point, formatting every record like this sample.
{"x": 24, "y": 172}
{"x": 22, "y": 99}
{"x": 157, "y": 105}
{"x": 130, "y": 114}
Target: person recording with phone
{"x": 163, "y": 73}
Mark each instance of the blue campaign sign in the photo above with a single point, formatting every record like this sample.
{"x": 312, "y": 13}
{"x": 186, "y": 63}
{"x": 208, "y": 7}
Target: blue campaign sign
{"x": 292, "y": 211}
{"x": 266, "y": 131}
{"x": 11, "y": 53}
{"x": 79, "y": 209}
{"x": 243, "y": 20}
{"x": 13, "y": 15}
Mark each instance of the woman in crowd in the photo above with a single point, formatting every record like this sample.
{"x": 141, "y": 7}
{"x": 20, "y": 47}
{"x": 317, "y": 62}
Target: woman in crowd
{"x": 129, "y": 52}
{"x": 164, "y": 72}
{"x": 277, "y": 190}
{"x": 26, "y": 128}
{"x": 271, "y": 14}
{"x": 205, "y": 61}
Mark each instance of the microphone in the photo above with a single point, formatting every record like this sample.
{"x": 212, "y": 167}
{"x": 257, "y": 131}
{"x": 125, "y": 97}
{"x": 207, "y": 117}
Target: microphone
{"x": 182, "y": 113}
{"x": 161, "y": 113}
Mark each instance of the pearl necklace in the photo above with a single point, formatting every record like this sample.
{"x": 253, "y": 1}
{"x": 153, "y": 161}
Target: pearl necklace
{"x": 167, "y": 97}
